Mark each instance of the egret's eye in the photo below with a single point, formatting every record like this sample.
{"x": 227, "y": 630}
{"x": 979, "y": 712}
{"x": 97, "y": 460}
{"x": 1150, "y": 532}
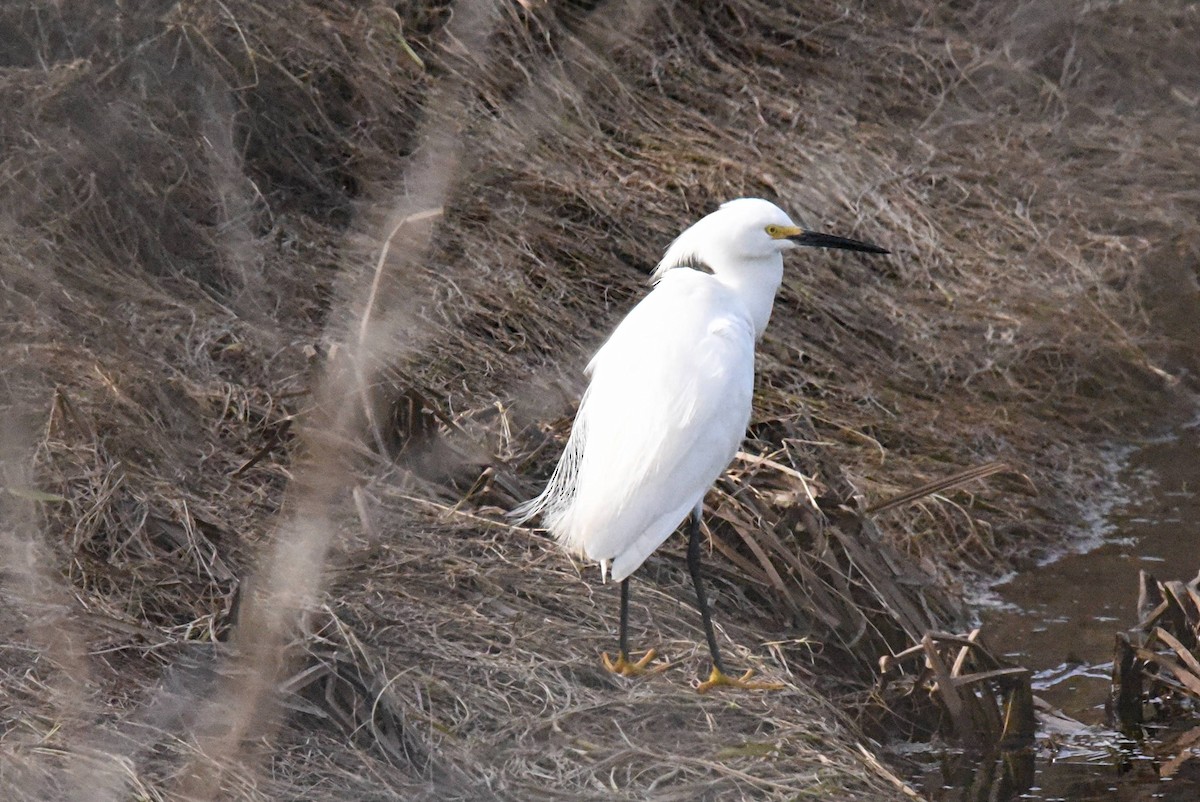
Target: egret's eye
{"x": 774, "y": 231}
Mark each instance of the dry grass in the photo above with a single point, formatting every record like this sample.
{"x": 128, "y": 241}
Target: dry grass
{"x": 266, "y": 398}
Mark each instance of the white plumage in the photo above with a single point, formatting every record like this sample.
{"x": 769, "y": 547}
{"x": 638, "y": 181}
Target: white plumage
{"x": 668, "y": 403}
{"x": 670, "y": 392}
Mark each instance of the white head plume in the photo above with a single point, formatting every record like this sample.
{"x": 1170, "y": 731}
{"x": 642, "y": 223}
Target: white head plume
{"x": 736, "y": 230}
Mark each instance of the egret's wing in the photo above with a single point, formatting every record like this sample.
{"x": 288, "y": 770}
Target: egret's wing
{"x": 664, "y": 414}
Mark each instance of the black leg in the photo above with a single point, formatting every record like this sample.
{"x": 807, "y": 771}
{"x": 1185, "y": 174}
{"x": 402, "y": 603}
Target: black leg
{"x": 623, "y": 638}
{"x": 622, "y": 665}
{"x": 693, "y": 561}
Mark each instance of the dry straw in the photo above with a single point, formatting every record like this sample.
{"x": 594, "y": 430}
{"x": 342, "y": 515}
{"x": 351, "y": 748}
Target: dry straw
{"x": 214, "y": 344}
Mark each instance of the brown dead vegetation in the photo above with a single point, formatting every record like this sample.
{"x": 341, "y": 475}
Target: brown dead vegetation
{"x": 295, "y": 300}
{"x": 1156, "y": 670}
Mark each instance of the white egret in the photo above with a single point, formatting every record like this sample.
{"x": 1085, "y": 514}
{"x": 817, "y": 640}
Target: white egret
{"x": 668, "y": 404}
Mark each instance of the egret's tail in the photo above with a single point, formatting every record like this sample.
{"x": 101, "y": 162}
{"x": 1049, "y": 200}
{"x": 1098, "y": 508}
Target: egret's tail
{"x": 556, "y": 502}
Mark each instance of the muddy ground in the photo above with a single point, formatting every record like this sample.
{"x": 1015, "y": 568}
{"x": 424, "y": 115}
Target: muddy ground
{"x": 295, "y": 303}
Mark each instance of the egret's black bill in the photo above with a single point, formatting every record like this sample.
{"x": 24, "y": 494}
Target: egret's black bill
{"x": 813, "y": 239}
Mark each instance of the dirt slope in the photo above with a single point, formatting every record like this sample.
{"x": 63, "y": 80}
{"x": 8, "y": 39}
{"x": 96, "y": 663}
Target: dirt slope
{"x": 295, "y": 300}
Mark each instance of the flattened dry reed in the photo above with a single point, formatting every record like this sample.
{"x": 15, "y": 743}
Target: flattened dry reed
{"x": 193, "y": 198}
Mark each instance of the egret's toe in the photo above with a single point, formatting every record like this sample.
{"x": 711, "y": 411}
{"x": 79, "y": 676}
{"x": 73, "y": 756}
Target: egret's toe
{"x": 719, "y": 677}
{"x": 625, "y": 668}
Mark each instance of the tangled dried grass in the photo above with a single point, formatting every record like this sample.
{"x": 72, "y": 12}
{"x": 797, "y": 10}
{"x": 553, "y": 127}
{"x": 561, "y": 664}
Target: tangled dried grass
{"x": 194, "y": 200}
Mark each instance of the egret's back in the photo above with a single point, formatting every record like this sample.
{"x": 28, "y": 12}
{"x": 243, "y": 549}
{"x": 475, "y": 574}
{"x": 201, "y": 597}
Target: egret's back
{"x": 666, "y": 409}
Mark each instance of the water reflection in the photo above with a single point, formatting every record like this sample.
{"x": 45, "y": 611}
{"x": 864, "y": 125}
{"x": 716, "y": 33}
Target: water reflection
{"x": 1060, "y": 620}
{"x": 1121, "y": 772}
{"x": 995, "y": 777}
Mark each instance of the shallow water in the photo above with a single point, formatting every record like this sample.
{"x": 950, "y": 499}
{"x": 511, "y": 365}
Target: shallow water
{"x": 1060, "y": 620}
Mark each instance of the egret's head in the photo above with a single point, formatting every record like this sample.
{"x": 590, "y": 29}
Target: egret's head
{"x": 747, "y": 230}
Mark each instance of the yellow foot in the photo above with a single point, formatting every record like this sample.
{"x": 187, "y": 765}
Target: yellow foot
{"x": 718, "y": 677}
{"x": 625, "y": 668}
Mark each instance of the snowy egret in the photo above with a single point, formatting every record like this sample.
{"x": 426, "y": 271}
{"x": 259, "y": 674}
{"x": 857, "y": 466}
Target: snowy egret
{"x": 668, "y": 404}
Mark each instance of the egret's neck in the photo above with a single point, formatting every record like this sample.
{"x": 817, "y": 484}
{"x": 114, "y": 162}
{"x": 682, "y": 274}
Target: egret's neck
{"x": 754, "y": 281}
